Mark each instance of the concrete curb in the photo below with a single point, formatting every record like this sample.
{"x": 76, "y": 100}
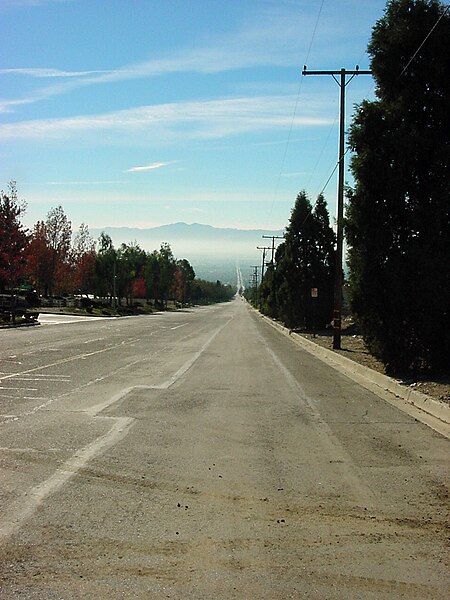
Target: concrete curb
{"x": 17, "y": 325}
{"x": 368, "y": 378}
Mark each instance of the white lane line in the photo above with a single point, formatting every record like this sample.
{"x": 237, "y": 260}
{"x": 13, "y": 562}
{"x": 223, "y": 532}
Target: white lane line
{"x": 49, "y": 379}
{"x": 28, "y": 505}
{"x": 188, "y": 364}
{"x": 84, "y": 355}
{"x": 18, "y": 514}
{"x": 41, "y": 376}
{"x": 26, "y": 389}
{"x": 94, "y": 340}
{"x": 178, "y": 326}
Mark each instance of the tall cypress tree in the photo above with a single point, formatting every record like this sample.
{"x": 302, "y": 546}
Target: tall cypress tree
{"x": 295, "y": 267}
{"x": 324, "y": 270}
{"x": 398, "y": 225}
{"x": 304, "y": 261}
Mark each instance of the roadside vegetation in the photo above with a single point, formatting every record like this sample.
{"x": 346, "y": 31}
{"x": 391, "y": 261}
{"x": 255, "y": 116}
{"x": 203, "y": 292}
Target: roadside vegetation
{"x": 397, "y": 223}
{"x": 397, "y": 219}
{"x": 50, "y": 267}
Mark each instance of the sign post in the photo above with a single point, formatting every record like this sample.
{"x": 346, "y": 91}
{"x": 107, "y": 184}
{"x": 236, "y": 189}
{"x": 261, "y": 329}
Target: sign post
{"x": 314, "y": 296}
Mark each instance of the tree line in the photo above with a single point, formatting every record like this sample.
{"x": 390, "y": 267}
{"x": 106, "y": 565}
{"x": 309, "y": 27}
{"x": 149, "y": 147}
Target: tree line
{"x": 304, "y": 264}
{"x": 54, "y": 262}
{"x": 397, "y": 223}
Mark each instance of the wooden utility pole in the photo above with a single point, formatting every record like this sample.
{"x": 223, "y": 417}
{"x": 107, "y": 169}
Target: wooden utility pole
{"x": 263, "y": 264}
{"x": 342, "y": 83}
{"x": 273, "y": 238}
{"x": 255, "y": 281}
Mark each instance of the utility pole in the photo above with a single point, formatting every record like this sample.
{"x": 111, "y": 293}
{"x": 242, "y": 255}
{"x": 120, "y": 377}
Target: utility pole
{"x": 342, "y": 83}
{"x": 273, "y": 238}
{"x": 263, "y": 248}
{"x": 255, "y": 281}
{"x": 263, "y": 264}
{"x": 114, "y": 285}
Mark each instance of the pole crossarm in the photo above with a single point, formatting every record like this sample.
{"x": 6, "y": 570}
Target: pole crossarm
{"x": 273, "y": 238}
{"x": 347, "y": 72}
{"x": 263, "y": 248}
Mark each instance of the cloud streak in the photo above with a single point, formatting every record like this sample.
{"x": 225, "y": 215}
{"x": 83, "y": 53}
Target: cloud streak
{"x": 152, "y": 167}
{"x": 45, "y": 73}
{"x": 211, "y": 119}
{"x": 24, "y": 3}
{"x": 240, "y": 50}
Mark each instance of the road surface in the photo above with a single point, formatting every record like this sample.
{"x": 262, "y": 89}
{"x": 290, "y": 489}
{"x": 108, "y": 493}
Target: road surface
{"x": 201, "y": 454}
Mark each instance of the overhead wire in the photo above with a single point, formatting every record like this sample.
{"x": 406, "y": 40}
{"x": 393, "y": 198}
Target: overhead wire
{"x": 329, "y": 134}
{"x": 412, "y": 58}
{"x": 295, "y": 111}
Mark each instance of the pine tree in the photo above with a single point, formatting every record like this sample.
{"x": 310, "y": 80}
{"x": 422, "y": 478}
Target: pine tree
{"x": 305, "y": 260}
{"x": 13, "y": 239}
{"x": 398, "y": 225}
{"x": 324, "y": 263}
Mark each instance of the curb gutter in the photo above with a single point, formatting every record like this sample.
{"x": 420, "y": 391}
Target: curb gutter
{"x": 368, "y": 378}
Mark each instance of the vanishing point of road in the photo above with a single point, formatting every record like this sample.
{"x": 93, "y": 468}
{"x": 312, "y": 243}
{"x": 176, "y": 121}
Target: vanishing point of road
{"x": 201, "y": 454}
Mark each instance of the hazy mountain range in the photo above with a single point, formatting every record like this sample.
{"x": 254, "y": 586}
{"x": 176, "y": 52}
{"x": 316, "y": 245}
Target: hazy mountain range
{"x": 212, "y": 251}
{"x": 194, "y": 240}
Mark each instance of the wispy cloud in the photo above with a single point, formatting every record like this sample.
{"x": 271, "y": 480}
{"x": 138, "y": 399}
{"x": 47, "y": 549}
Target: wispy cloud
{"x": 210, "y": 119}
{"x": 295, "y": 174}
{"x": 156, "y": 165}
{"x": 279, "y": 30}
{"x": 85, "y": 183}
{"x": 45, "y": 73}
{"x": 19, "y": 3}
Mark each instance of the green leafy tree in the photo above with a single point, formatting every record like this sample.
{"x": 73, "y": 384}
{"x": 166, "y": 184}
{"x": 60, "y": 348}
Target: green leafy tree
{"x": 83, "y": 257}
{"x": 151, "y": 274}
{"x": 183, "y": 278}
{"x": 131, "y": 262}
{"x": 208, "y": 292}
{"x": 105, "y": 267}
{"x": 167, "y": 268}
{"x": 58, "y": 231}
{"x": 39, "y": 261}
{"x": 398, "y": 226}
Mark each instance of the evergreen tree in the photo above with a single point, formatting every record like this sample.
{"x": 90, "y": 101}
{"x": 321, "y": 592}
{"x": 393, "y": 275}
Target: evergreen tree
{"x": 398, "y": 225}
{"x": 324, "y": 262}
{"x": 13, "y": 239}
{"x": 305, "y": 260}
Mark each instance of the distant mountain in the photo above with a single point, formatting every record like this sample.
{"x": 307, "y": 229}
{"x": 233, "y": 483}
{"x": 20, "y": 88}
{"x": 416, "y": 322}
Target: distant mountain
{"x": 193, "y": 241}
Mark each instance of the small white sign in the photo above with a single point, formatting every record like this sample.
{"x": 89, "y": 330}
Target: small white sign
{"x": 314, "y": 292}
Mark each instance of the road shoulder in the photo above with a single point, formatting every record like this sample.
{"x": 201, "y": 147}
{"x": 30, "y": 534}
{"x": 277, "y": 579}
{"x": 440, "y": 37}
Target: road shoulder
{"x": 426, "y": 409}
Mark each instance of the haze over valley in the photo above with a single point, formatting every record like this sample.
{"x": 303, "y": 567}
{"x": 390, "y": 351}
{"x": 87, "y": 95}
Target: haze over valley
{"x": 212, "y": 251}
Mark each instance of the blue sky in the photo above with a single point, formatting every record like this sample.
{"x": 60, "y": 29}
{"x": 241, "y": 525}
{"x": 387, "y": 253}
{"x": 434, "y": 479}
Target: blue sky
{"x": 147, "y": 112}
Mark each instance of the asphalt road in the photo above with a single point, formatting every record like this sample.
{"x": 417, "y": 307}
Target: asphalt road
{"x": 201, "y": 454}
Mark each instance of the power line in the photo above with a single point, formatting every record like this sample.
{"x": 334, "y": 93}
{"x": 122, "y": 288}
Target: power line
{"x": 283, "y": 160}
{"x": 426, "y": 38}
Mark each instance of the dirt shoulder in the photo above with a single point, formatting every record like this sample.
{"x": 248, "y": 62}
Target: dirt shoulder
{"x": 354, "y": 348}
